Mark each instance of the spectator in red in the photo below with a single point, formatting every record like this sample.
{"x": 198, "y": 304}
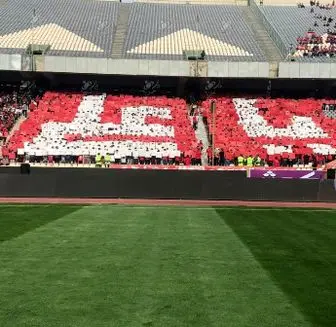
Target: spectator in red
{"x": 198, "y": 157}
{"x": 320, "y": 159}
{"x": 5, "y": 152}
{"x": 32, "y": 106}
{"x": 187, "y": 161}
{"x": 11, "y": 156}
{"x": 80, "y": 160}
{"x": 276, "y": 162}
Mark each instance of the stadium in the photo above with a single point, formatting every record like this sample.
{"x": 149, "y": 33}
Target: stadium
{"x": 167, "y": 163}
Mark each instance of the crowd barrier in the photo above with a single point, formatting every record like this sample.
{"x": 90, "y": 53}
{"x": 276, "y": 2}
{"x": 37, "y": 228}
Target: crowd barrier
{"x": 159, "y": 184}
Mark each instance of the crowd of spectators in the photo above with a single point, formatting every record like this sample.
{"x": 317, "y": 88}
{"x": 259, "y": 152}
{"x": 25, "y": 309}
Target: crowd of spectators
{"x": 191, "y": 158}
{"x": 12, "y": 106}
{"x": 314, "y": 44}
{"x": 317, "y": 4}
{"x": 267, "y": 125}
{"x": 20, "y": 101}
{"x": 15, "y": 101}
{"x": 285, "y": 160}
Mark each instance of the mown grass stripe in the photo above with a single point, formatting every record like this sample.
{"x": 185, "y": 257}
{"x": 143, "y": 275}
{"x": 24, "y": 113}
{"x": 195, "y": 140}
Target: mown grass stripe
{"x": 18, "y": 220}
{"x": 297, "y": 248}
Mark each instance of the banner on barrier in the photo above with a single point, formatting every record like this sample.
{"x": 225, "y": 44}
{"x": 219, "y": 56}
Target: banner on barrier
{"x": 291, "y": 174}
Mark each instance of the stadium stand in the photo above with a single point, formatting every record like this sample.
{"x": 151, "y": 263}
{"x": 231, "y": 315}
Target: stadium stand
{"x": 68, "y": 26}
{"x": 151, "y": 31}
{"x": 129, "y": 127}
{"x": 123, "y": 127}
{"x": 274, "y": 129}
{"x": 73, "y": 127}
{"x": 279, "y": 3}
{"x": 308, "y": 33}
{"x": 13, "y": 104}
{"x": 329, "y": 110}
{"x": 166, "y": 30}
{"x": 162, "y": 31}
{"x": 197, "y": 2}
{"x": 314, "y": 45}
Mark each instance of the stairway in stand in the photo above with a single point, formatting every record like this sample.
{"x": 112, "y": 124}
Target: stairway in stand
{"x": 15, "y": 127}
{"x": 202, "y": 135}
{"x": 264, "y": 40}
{"x": 120, "y": 34}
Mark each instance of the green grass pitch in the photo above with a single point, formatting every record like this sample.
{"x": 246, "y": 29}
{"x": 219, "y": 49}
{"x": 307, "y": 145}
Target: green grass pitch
{"x": 97, "y": 266}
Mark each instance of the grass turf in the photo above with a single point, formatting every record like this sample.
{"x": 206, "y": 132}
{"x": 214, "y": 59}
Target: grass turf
{"x": 141, "y": 266}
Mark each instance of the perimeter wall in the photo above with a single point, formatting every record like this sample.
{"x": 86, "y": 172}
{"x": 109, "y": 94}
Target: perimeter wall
{"x": 158, "y": 184}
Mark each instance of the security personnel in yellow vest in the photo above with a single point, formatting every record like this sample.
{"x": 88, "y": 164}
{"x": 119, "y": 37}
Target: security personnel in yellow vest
{"x": 250, "y": 161}
{"x": 98, "y": 159}
{"x": 240, "y": 161}
{"x": 107, "y": 160}
{"x": 257, "y": 161}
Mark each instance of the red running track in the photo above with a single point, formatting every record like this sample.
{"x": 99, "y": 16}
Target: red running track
{"x": 151, "y": 202}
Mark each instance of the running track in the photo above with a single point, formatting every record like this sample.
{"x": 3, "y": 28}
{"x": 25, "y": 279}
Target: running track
{"x": 151, "y": 202}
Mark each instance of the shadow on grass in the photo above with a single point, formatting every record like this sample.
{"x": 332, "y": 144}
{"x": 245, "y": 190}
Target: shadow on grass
{"x": 297, "y": 248}
{"x": 16, "y": 220}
